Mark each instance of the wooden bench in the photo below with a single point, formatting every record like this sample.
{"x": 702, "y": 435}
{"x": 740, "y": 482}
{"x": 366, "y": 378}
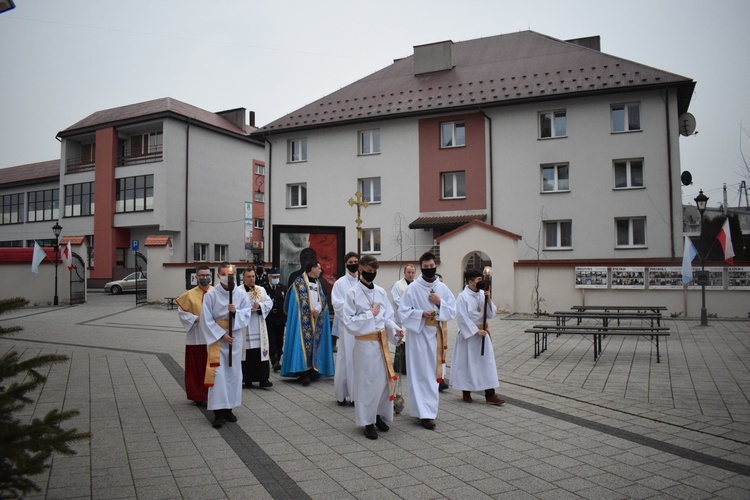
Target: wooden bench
{"x": 655, "y": 309}
{"x": 598, "y": 332}
{"x": 170, "y": 302}
{"x": 561, "y": 317}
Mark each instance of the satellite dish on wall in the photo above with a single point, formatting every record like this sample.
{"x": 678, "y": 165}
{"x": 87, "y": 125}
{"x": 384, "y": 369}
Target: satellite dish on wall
{"x": 686, "y": 178}
{"x": 687, "y": 124}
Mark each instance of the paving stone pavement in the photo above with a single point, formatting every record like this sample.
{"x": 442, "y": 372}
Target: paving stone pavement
{"x": 624, "y": 426}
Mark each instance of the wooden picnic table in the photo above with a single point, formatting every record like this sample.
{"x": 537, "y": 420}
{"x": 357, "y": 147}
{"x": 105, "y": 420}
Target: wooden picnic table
{"x": 561, "y": 317}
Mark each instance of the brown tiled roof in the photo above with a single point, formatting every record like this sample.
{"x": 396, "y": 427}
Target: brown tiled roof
{"x": 158, "y": 107}
{"x": 30, "y": 173}
{"x": 487, "y": 72}
{"x": 480, "y": 224}
{"x": 445, "y": 221}
{"x": 157, "y": 240}
{"x": 74, "y": 240}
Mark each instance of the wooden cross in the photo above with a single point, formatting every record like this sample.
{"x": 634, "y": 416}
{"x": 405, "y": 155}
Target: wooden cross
{"x": 360, "y": 204}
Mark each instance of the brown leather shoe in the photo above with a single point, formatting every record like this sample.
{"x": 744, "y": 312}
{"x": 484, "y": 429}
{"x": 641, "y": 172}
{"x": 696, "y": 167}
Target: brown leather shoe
{"x": 428, "y": 423}
{"x": 467, "y": 398}
{"x": 494, "y": 400}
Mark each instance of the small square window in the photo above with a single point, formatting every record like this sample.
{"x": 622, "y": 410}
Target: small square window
{"x": 259, "y": 169}
{"x": 553, "y": 124}
{"x": 452, "y": 134}
{"x": 220, "y": 252}
{"x": 558, "y": 235}
{"x": 628, "y": 174}
{"x": 260, "y": 224}
{"x": 631, "y": 232}
{"x": 369, "y": 142}
{"x": 454, "y": 185}
{"x": 297, "y": 195}
{"x": 370, "y": 240}
{"x": 298, "y": 150}
{"x": 370, "y": 189}
{"x": 555, "y": 177}
{"x": 626, "y": 117}
{"x": 200, "y": 252}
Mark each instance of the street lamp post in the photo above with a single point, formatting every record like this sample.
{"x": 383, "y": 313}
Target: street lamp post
{"x": 701, "y": 201}
{"x": 57, "y": 229}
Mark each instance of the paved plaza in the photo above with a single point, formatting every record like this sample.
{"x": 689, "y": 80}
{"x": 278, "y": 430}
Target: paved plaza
{"x": 624, "y": 426}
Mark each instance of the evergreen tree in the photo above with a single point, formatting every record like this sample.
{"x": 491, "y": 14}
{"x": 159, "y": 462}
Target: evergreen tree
{"x": 25, "y": 447}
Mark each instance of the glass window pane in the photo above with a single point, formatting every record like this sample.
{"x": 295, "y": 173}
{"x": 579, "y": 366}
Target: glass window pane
{"x": 545, "y": 125}
{"x": 548, "y": 179}
{"x": 621, "y": 175}
{"x": 639, "y": 231}
{"x": 460, "y": 134}
{"x": 623, "y": 232}
{"x": 376, "y": 189}
{"x": 566, "y": 234}
{"x": 460, "y": 184}
{"x": 634, "y": 117}
{"x": 560, "y": 124}
{"x": 365, "y": 143}
{"x": 294, "y": 196}
{"x": 636, "y": 173}
{"x": 446, "y": 134}
{"x": 563, "y": 183}
{"x": 304, "y": 195}
{"x": 303, "y": 151}
{"x": 448, "y": 186}
{"x": 618, "y": 119}
{"x": 550, "y": 229}
{"x": 376, "y": 141}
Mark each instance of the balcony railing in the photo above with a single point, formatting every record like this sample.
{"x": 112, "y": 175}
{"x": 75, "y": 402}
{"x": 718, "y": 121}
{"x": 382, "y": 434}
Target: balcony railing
{"x": 129, "y": 157}
{"x": 80, "y": 164}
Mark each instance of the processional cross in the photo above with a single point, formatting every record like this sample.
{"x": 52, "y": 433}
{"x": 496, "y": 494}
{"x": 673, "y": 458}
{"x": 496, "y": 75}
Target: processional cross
{"x": 361, "y": 203}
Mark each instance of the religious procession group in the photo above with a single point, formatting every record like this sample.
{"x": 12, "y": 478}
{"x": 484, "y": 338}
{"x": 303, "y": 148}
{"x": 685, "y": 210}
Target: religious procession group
{"x": 236, "y": 334}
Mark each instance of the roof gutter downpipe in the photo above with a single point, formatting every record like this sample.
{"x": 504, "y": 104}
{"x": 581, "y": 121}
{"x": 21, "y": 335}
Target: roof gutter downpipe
{"x": 187, "y": 185}
{"x": 492, "y": 184}
{"x": 669, "y": 176}
{"x": 268, "y": 204}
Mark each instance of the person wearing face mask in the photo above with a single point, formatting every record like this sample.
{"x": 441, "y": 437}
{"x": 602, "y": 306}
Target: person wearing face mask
{"x": 425, "y": 309}
{"x": 276, "y": 319}
{"x": 225, "y": 390}
{"x": 470, "y": 371}
{"x": 368, "y": 317}
{"x": 307, "y": 342}
{"x": 343, "y": 380}
{"x": 196, "y": 356}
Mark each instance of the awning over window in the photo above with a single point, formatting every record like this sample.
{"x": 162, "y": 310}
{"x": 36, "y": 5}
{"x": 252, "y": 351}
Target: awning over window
{"x": 446, "y": 221}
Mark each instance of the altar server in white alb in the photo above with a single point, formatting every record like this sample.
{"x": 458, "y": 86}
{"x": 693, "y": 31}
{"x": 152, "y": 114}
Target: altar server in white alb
{"x": 343, "y": 379}
{"x": 426, "y": 307}
{"x": 368, "y": 316}
{"x": 225, "y": 391}
{"x": 470, "y": 370}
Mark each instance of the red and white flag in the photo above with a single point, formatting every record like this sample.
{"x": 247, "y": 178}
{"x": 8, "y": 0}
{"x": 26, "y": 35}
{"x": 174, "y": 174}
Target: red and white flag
{"x": 68, "y": 256}
{"x": 725, "y": 238}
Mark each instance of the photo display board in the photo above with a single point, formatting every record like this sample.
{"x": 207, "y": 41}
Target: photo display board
{"x": 665, "y": 278}
{"x": 715, "y": 278}
{"x": 628, "y": 277}
{"x": 738, "y": 278}
{"x": 591, "y": 277}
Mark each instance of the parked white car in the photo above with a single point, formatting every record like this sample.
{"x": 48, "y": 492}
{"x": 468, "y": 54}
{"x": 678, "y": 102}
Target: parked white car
{"x": 127, "y": 284}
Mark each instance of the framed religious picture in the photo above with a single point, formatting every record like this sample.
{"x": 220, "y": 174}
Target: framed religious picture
{"x": 292, "y": 244}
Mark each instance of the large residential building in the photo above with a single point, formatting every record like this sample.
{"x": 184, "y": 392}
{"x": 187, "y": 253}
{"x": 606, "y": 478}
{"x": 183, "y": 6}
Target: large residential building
{"x": 572, "y": 150}
{"x": 161, "y": 167}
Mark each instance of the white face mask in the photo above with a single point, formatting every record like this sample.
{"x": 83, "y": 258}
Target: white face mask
{"x": 275, "y": 281}
{"x": 224, "y": 280}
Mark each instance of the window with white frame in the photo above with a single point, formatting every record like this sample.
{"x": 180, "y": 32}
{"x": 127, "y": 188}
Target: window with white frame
{"x": 631, "y": 232}
{"x": 454, "y": 185}
{"x": 297, "y": 195}
{"x": 628, "y": 173}
{"x": 558, "y": 235}
{"x": 369, "y": 142}
{"x": 555, "y": 177}
{"x": 370, "y": 189}
{"x": 553, "y": 124}
{"x": 626, "y": 117}
{"x": 200, "y": 252}
{"x": 260, "y": 223}
{"x": 298, "y": 150}
{"x": 220, "y": 252}
{"x": 452, "y": 134}
{"x": 259, "y": 169}
{"x": 371, "y": 240}
{"x": 259, "y": 196}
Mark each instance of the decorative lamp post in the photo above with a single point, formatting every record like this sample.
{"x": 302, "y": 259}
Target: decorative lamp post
{"x": 701, "y": 201}
{"x": 57, "y": 229}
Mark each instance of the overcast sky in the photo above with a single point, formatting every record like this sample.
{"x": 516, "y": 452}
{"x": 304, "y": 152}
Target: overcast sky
{"x": 62, "y": 60}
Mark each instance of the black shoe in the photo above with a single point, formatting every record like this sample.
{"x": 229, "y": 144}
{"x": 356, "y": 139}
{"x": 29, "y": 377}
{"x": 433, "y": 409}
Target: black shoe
{"x": 342, "y": 403}
{"x": 200, "y": 404}
{"x": 380, "y": 424}
{"x": 219, "y": 419}
{"x": 428, "y": 423}
{"x": 443, "y": 386}
{"x": 265, "y": 384}
{"x": 370, "y": 432}
{"x": 305, "y": 380}
{"x": 248, "y": 385}
{"x": 276, "y": 366}
{"x": 229, "y": 416}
